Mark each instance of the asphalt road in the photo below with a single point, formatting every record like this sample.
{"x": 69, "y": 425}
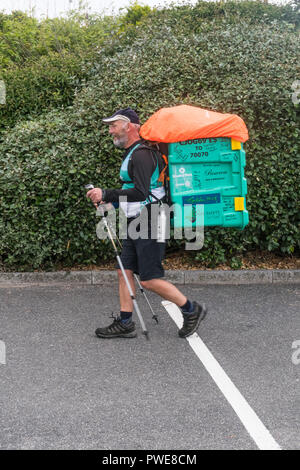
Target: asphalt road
{"x": 64, "y": 388}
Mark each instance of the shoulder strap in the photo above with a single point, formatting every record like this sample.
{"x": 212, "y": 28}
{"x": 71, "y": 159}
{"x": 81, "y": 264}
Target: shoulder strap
{"x": 148, "y": 147}
{"x": 129, "y": 158}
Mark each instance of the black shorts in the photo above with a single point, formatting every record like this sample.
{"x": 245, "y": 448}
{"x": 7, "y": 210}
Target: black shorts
{"x": 143, "y": 257}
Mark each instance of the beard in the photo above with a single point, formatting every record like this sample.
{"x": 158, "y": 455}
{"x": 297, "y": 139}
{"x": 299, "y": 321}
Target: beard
{"x": 120, "y": 141}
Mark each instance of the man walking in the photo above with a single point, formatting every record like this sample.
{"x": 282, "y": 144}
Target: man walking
{"x": 140, "y": 175}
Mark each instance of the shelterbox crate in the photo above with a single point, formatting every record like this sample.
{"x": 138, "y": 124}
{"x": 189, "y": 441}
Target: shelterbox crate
{"x": 208, "y": 172}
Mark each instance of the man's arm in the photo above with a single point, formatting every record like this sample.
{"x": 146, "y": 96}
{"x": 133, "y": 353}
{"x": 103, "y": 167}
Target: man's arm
{"x": 143, "y": 165}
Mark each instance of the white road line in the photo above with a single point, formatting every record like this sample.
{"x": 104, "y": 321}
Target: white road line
{"x": 248, "y": 417}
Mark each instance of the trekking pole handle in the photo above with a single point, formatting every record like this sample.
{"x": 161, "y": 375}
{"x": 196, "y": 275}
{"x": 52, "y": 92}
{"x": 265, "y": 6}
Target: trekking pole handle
{"x": 91, "y": 186}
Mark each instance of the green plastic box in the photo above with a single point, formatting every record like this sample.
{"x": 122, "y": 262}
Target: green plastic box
{"x": 208, "y": 172}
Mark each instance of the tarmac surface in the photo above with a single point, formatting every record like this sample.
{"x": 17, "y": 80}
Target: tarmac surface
{"x": 64, "y": 388}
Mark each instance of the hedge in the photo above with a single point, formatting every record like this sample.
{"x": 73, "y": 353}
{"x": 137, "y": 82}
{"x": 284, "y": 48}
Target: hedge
{"x": 245, "y": 67}
{"x": 45, "y": 63}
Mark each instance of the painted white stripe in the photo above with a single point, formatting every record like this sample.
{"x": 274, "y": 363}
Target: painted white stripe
{"x": 248, "y": 417}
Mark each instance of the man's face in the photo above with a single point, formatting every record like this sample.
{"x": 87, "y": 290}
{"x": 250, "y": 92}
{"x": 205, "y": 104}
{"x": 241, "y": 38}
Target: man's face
{"x": 119, "y": 131}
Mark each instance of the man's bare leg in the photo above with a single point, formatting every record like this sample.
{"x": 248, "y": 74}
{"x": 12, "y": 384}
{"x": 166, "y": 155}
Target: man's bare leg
{"x": 166, "y": 290}
{"x": 193, "y": 312}
{"x": 126, "y": 303}
{"x": 122, "y": 326}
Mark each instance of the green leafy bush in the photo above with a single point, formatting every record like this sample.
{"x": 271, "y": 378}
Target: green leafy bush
{"x": 44, "y": 64}
{"x": 235, "y": 62}
{"x": 37, "y": 87}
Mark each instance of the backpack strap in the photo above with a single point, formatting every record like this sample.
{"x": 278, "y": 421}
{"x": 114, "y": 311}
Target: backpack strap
{"x": 153, "y": 153}
{"x": 163, "y": 173}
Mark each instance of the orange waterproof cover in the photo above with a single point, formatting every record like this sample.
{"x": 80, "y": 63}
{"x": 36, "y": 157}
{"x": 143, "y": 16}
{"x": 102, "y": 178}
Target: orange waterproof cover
{"x": 190, "y": 122}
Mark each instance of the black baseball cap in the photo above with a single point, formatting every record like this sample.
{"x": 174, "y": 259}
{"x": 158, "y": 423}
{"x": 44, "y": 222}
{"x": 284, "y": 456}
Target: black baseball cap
{"x": 128, "y": 115}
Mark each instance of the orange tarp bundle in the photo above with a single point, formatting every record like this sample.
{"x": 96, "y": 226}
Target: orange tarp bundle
{"x": 190, "y": 122}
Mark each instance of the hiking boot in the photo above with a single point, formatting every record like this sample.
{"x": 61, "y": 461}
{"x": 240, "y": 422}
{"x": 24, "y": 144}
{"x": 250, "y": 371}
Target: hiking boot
{"x": 117, "y": 330}
{"x": 191, "y": 321}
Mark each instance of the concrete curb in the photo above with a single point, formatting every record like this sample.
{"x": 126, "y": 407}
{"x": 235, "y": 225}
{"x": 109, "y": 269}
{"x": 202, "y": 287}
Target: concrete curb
{"x": 192, "y": 277}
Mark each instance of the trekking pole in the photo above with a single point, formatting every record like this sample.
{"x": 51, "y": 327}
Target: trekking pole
{"x": 154, "y": 315}
{"x": 135, "y": 304}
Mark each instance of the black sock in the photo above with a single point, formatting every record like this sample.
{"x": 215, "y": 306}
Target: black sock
{"x": 125, "y": 316}
{"x": 187, "y": 307}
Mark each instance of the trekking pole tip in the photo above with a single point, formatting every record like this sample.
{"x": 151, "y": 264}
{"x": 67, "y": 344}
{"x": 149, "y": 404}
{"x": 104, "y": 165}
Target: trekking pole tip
{"x": 146, "y": 333}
